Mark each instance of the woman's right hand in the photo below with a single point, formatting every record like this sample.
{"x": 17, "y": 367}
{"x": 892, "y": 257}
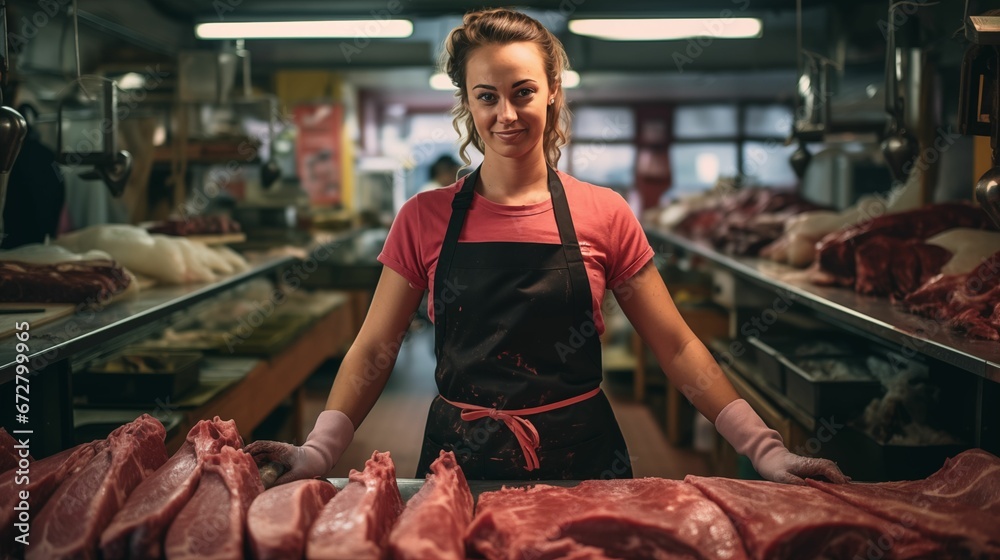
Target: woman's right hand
{"x": 329, "y": 438}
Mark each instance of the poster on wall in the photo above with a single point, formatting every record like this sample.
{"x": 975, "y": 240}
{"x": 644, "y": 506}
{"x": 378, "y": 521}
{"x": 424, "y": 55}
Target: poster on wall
{"x": 317, "y": 152}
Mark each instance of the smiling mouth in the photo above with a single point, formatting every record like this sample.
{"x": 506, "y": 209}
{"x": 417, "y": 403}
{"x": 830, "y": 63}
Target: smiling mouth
{"x": 509, "y": 134}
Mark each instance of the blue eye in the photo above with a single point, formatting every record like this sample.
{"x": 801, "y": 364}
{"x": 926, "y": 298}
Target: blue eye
{"x": 525, "y": 92}
{"x": 486, "y": 97}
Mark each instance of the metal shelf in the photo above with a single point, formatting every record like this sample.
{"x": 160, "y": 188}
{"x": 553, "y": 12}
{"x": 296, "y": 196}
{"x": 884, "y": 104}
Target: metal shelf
{"x": 87, "y": 329}
{"x": 877, "y": 316}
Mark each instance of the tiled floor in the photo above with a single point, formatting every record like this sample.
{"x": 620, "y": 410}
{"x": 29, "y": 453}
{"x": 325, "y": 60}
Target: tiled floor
{"x": 396, "y": 422}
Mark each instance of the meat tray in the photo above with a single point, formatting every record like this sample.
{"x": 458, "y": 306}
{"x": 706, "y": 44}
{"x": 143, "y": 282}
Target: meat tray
{"x": 408, "y": 487}
{"x": 840, "y": 398}
{"x": 139, "y": 378}
{"x": 866, "y": 460}
{"x": 769, "y": 353}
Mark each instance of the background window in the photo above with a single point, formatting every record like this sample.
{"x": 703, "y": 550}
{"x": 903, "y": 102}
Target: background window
{"x": 705, "y": 121}
{"x": 696, "y": 167}
{"x": 766, "y": 164}
{"x": 610, "y": 124}
{"x": 606, "y": 165}
{"x": 767, "y": 121}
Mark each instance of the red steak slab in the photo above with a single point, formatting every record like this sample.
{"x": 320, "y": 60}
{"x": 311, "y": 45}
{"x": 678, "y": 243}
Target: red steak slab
{"x": 211, "y": 525}
{"x": 636, "y": 519}
{"x": 70, "y": 524}
{"x": 355, "y": 524}
{"x": 279, "y": 519}
{"x": 784, "y": 521}
{"x": 432, "y": 527}
{"x": 137, "y": 531}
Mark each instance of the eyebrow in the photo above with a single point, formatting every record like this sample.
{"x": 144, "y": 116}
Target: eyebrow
{"x": 489, "y": 87}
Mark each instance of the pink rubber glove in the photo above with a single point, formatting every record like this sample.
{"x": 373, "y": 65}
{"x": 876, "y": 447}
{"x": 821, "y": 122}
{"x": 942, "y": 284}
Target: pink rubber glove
{"x": 327, "y": 441}
{"x": 744, "y": 429}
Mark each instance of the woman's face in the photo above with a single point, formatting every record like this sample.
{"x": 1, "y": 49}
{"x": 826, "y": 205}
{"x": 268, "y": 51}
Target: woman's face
{"x": 508, "y": 96}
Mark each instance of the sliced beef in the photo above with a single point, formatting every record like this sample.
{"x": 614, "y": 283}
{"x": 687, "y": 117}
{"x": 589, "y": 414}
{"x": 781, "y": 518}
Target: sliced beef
{"x": 279, "y": 519}
{"x": 137, "y": 531}
{"x": 211, "y": 524}
{"x": 779, "y": 521}
{"x": 432, "y": 527}
{"x": 967, "y": 302}
{"x": 957, "y": 506}
{"x": 45, "y": 476}
{"x": 355, "y": 524}
{"x": 662, "y": 518}
{"x": 888, "y": 266}
{"x": 8, "y": 451}
{"x": 836, "y": 251}
{"x": 70, "y": 524}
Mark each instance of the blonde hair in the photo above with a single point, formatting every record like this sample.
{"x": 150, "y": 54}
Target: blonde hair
{"x": 501, "y": 27}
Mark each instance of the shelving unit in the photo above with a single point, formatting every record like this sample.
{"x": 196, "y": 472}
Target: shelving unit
{"x": 876, "y": 318}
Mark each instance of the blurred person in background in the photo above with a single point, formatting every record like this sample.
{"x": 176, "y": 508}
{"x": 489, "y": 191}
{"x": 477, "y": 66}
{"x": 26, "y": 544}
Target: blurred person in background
{"x": 443, "y": 172}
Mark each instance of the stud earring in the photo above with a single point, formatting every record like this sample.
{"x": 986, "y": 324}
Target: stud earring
{"x": 552, "y": 100}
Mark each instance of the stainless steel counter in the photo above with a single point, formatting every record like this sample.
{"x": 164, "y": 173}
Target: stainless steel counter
{"x": 873, "y": 315}
{"x": 87, "y": 329}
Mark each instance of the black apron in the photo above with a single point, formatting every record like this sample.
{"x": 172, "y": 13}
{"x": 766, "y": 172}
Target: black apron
{"x": 514, "y": 329}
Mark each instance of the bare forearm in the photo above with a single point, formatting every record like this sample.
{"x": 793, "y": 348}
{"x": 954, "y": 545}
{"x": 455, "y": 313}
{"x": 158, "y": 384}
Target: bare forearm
{"x": 360, "y": 380}
{"x": 696, "y": 374}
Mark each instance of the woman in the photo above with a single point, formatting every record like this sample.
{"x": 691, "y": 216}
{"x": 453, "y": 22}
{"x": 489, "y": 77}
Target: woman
{"x": 517, "y": 258}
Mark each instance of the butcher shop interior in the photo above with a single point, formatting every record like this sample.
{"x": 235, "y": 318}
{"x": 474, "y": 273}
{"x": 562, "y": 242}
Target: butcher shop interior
{"x": 728, "y": 287}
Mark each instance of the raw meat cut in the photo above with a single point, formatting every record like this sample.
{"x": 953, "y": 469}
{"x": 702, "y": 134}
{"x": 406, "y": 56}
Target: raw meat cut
{"x": 661, "y": 518}
{"x": 892, "y": 266}
{"x": 779, "y": 521}
{"x": 279, "y": 519}
{"x": 8, "y": 451}
{"x": 211, "y": 524}
{"x": 745, "y": 221}
{"x": 836, "y": 251}
{"x": 964, "y": 531}
{"x": 967, "y": 302}
{"x": 45, "y": 476}
{"x": 970, "y": 478}
{"x": 68, "y": 282}
{"x": 432, "y": 527}
{"x": 138, "y": 529}
{"x": 355, "y": 524}
{"x": 71, "y": 523}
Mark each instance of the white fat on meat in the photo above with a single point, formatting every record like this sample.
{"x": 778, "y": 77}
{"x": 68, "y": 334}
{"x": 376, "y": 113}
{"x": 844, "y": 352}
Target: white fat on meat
{"x": 969, "y": 247}
{"x": 172, "y": 260}
{"x": 797, "y": 246}
{"x": 36, "y": 253}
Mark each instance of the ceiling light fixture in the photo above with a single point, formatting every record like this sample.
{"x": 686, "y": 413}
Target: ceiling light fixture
{"x": 440, "y": 81}
{"x": 667, "y": 29}
{"x": 329, "y": 29}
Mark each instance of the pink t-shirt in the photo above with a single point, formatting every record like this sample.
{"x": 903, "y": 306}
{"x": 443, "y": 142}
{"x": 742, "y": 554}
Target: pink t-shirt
{"x": 612, "y": 242}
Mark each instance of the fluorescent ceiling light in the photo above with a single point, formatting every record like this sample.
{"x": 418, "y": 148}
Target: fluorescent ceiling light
{"x": 667, "y": 29}
{"x": 441, "y": 81}
{"x": 330, "y": 29}
{"x": 570, "y": 79}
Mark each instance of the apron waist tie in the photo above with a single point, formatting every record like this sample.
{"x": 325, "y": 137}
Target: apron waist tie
{"x": 523, "y": 430}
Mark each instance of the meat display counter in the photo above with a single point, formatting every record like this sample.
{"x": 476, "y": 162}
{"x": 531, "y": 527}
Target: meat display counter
{"x": 874, "y": 318}
{"x": 52, "y": 348}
